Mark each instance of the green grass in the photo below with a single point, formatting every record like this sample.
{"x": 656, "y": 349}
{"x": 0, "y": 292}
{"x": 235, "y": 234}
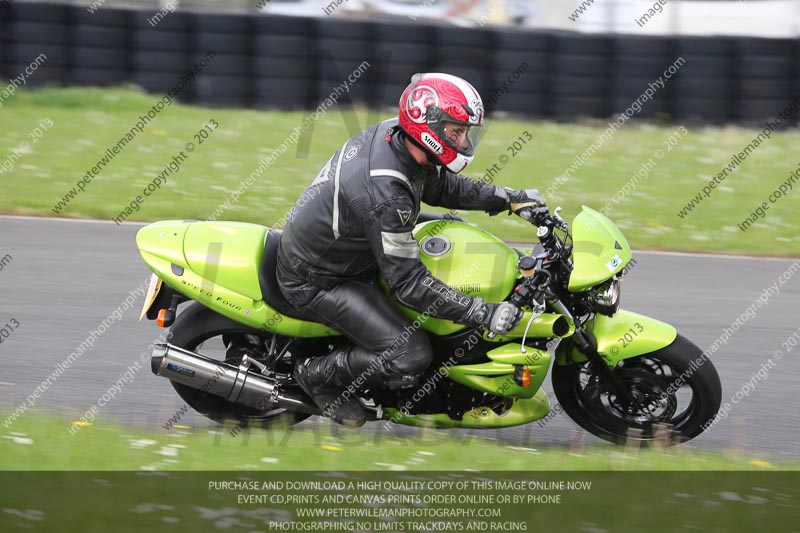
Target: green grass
{"x": 125, "y": 481}
{"x": 87, "y": 121}
{"x": 37, "y": 442}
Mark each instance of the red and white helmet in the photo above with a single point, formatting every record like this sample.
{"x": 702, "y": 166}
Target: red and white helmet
{"x": 430, "y": 101}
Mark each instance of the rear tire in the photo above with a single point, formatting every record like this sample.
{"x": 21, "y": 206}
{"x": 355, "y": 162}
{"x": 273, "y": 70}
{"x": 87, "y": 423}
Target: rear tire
{"x": 648, "y": 377}
{"x": 197, "y": 324}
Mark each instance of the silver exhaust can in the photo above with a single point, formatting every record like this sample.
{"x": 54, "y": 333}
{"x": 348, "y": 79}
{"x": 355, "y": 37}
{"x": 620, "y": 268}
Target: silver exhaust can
{"x": 235, "y": 384}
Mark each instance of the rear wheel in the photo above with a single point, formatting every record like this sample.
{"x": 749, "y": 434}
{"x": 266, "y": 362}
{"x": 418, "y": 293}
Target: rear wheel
{"x": 199, "y": 329}
{"x": 667, "y": 389}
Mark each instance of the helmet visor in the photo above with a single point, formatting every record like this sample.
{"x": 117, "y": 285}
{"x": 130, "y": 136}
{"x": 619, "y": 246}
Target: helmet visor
{"x": 458, "y": 135}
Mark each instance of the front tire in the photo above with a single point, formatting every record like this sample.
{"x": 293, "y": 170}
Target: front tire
{"x": 197, "y": 324}
{"x": 669, "y": 391}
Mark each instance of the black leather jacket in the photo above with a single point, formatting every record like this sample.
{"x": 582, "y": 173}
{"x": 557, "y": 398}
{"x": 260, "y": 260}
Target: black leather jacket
{"x": 358, "y": 214}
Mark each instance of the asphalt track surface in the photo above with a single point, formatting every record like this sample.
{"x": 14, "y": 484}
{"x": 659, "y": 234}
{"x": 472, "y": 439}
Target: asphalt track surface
{"x": 65, "y": 277}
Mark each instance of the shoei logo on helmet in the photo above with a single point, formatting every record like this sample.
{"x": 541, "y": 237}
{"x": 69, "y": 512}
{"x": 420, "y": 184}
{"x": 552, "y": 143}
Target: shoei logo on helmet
{"x": 477, "y": 115}
{"x": 418, "y": 102}
{"x": 433, "y": 143}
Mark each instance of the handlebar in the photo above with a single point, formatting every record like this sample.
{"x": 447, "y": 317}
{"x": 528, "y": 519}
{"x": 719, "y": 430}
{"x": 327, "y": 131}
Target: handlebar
{"x": 541, "y": 216}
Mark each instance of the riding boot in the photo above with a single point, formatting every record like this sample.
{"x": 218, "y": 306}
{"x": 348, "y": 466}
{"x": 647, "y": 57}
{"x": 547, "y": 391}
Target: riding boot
{"x": 332, "y": 385}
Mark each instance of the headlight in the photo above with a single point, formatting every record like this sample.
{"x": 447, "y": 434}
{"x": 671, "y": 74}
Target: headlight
{"x": 606, "y": 297}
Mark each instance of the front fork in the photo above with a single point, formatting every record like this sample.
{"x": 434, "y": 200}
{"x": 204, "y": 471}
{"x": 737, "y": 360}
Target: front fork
{"x": 587, "y": 345}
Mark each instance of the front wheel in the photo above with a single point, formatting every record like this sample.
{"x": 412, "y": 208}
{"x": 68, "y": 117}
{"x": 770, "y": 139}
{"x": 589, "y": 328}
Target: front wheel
{"x": 674, "y": 387}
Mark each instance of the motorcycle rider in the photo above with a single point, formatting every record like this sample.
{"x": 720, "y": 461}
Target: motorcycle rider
{"x": 356, "y": 218}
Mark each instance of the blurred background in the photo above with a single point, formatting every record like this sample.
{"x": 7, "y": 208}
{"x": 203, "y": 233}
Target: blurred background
{"x": 566, "y": 59}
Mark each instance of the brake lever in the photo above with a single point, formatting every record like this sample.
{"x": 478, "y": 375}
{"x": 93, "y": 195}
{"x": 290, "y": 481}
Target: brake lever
{"x": 538, "y": 309}
{"x": 560, "y": 222}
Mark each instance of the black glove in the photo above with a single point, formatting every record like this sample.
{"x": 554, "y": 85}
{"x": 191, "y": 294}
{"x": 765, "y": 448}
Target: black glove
{"x": 497, "y": 318}
{"x": 521, "y": 199}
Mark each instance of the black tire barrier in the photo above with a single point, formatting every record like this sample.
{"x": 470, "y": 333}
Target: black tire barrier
{"x": 284, "y": 45}
{"x": 38, "y": 33}
{"x": 640, "y": 66}
{"x": 409, "y": 33}
{"x": 50, "y": 13}
{"x": 157, "y": 41}
{"x": 160, "y": 83}
{"x": 221, "y": 23}
{"x": 752, "y": 66}
{"x": 283, "y": 93}
{"x": 580, "y": 86}
{"x": 464, "y": 55}
{"x": 94, "y": 58}
{"x": 581, "y": 65}
{"x": 760, "y": 110}
{"x": 403, "y": 53}
{"x": 632, "y": 87}
{"x": 482, "y": 79}
{"x": 650, "y": 109}
{"x": 360, "y": 92}
{"x": 97, "y": 37}
{"x": 208, "y": 87}
{"x": 283, "y": 67}
{"x": 228, "y": 65}
{"x": 765, "y": 47}
{"x": 341, "y": 49}
{"x": 152, "y": 61}
{"x": 98, "y": 77}
{"x": 511, "y": 60}
{"x": 579, "y": 44}
{"x": 527, "y": 82}
{"x": 578, "y": 107}
{"x": 389, "y": 94}
{"x": 634, "y": 46}
{"x": 106, "y": 17}
{"x": 337, "y": 69}
{"x": 291, "y": 62}
{"x": 713, "y": 110}
{"x": 149, "y": 19}
{"x": 56, "y": 55}
{"x": 446, "y": 36}
{"x": 767, "y": 89}
{"x": 223, "y": 43}
{"x": 45, "y": 75}
{"x": 703, "y": 87}
{"x": 704, "y": 46}
{"x": 356, "y": 30}
{"x": 400, "y": 74}
{"x": 283, "y": 25}
{"x": 531, "y": 104}
{"x": 527, "y": 41}
{"x": 706, "y": 66}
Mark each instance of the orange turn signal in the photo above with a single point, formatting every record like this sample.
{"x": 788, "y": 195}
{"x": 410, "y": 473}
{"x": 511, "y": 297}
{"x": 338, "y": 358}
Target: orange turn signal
{"x": 522, "y": 375}
{"x": 526, "y": 377}
{"x": 161, "y": 318}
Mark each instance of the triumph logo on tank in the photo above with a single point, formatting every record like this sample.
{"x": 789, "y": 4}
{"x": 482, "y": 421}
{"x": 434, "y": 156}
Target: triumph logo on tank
{"x": 470, "y": 288}
{"x": 433, "y": 143}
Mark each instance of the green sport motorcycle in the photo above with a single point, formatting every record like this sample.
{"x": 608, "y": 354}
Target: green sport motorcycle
{"x": 620, "y": 375}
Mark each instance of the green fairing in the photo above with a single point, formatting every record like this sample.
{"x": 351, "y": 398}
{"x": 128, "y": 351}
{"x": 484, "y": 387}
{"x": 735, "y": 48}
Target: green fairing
{"x": 230, "y": 253}
{"x": 523, "y": 411}
{"x": 648, "y": 336}
{"x": 599, "y": 250}
{"x": 497, "y": 376}
{"x": 477, "y": 264}
{"x": 216, "y": 264}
